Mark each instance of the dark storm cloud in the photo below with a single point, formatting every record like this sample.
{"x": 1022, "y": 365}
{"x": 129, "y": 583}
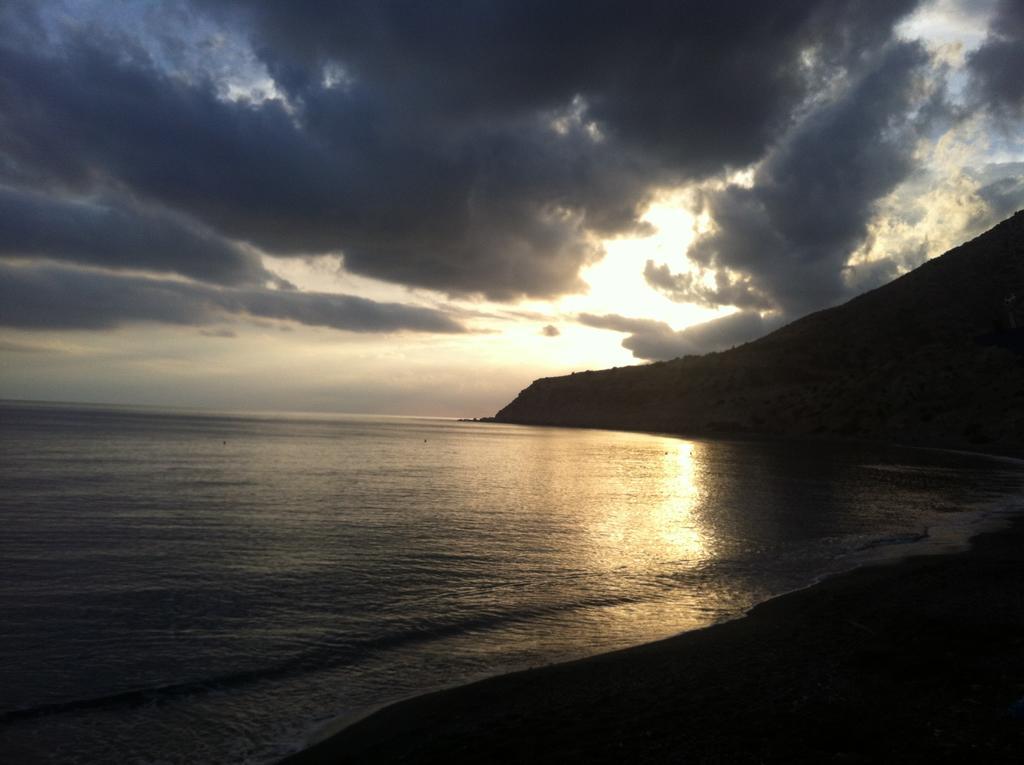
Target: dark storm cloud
{"x": 998, "y": 65}
{"x": 657, "y": 341}
{"x": 54, "y": 297}
{"x": 468, "y": 147}
{"x": 784, "y": 241}
{"x": 402, "y": 203}
{"x": 664, "y": 81}
{"x": 113, "y": 236}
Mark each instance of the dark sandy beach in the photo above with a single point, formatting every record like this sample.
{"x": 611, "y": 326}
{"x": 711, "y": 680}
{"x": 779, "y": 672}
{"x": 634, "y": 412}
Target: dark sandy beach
{"x": 916, "y": 661}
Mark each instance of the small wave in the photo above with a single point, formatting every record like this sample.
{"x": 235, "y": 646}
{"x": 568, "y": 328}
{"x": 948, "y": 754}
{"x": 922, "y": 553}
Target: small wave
{"x": 893, "y": 539}
{"x": 326, "y": 655}
{"x": 134, "y": 698}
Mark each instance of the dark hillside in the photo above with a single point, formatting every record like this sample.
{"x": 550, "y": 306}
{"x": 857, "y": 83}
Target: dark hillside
{"x": 931, "y": 357}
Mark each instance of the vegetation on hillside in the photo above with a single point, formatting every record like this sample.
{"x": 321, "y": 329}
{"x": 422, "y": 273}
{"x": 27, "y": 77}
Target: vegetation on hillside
{"x": 932, "y": 357}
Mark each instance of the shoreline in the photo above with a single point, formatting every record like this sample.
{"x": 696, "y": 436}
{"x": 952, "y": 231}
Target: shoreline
{"x": 950, "y": 445}
{"x": 497, "y": 718}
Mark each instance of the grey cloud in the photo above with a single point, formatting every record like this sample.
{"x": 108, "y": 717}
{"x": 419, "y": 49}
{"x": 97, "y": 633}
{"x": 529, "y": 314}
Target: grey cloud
{"x": 657, "y": 341}
{"x": 54, "y": 297}
{"x": 550, "y": 331}
{"x": 997, "y": 66}
{"x": 437, "y": 165}
{"x": 116, "y": 235}
{"x": 728, "y": 289}
{"x": 1003, "y": 197}
{"x": 976, "y": 8}
{"x": 9, "y": 346}
{"x": 786, "y": 239}
{"x": 617, "y": 323}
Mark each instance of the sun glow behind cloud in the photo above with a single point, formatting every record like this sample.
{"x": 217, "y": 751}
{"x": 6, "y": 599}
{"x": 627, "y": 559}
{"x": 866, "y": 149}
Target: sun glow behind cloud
{"x": 616, "y": 283}
{"x": 507, "y": 334}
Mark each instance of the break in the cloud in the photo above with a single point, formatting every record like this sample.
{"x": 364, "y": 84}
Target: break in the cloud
{"x": 56, "y": 297}
{"x": 657, "y": 341}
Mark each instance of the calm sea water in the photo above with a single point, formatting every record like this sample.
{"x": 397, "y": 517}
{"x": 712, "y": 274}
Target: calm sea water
{"x": 181, "y": 587}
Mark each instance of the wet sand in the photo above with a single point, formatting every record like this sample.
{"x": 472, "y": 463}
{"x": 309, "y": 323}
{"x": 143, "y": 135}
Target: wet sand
{"x": 916, "y": 661}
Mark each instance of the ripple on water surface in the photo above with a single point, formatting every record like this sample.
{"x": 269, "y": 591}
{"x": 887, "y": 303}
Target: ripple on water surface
{"x": 182, "y": 587}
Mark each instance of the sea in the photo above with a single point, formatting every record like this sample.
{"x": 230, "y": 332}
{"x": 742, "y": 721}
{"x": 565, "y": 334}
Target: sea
{"x": 198, "y": 587}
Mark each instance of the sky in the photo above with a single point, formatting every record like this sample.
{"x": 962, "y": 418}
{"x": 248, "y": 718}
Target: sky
{"x": 418, "y": 208}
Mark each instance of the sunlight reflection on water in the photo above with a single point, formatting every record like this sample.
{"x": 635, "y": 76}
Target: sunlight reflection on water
{"x": 252, "y": 575}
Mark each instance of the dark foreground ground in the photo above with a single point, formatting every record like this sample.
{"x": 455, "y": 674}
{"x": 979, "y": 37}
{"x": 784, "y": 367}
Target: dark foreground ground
{"x": 920, "y": 661}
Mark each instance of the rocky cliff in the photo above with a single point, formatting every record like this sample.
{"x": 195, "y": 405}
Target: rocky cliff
{"x": 932, "y": 357}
